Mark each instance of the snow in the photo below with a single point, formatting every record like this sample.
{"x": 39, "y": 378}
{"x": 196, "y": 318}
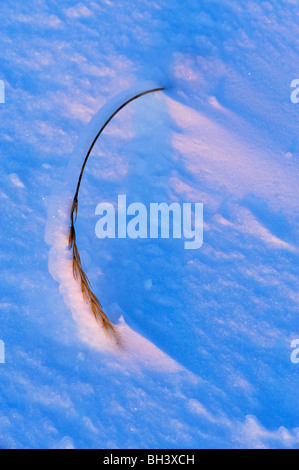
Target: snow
{"x": 205, "y": 356}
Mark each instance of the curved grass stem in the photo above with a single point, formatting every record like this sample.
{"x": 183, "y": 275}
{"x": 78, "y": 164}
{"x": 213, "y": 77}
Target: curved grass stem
{"x": 78, "y": 272}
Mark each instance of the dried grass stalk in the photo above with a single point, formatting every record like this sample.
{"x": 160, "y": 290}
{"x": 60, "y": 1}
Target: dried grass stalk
{"x": 78, "y": 271}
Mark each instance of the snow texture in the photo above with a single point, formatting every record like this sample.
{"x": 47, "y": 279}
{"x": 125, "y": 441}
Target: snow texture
{"x": 205, "y": 360}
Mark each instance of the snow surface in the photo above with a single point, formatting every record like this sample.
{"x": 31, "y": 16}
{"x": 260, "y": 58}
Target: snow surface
{"x": 205, "y": 361}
